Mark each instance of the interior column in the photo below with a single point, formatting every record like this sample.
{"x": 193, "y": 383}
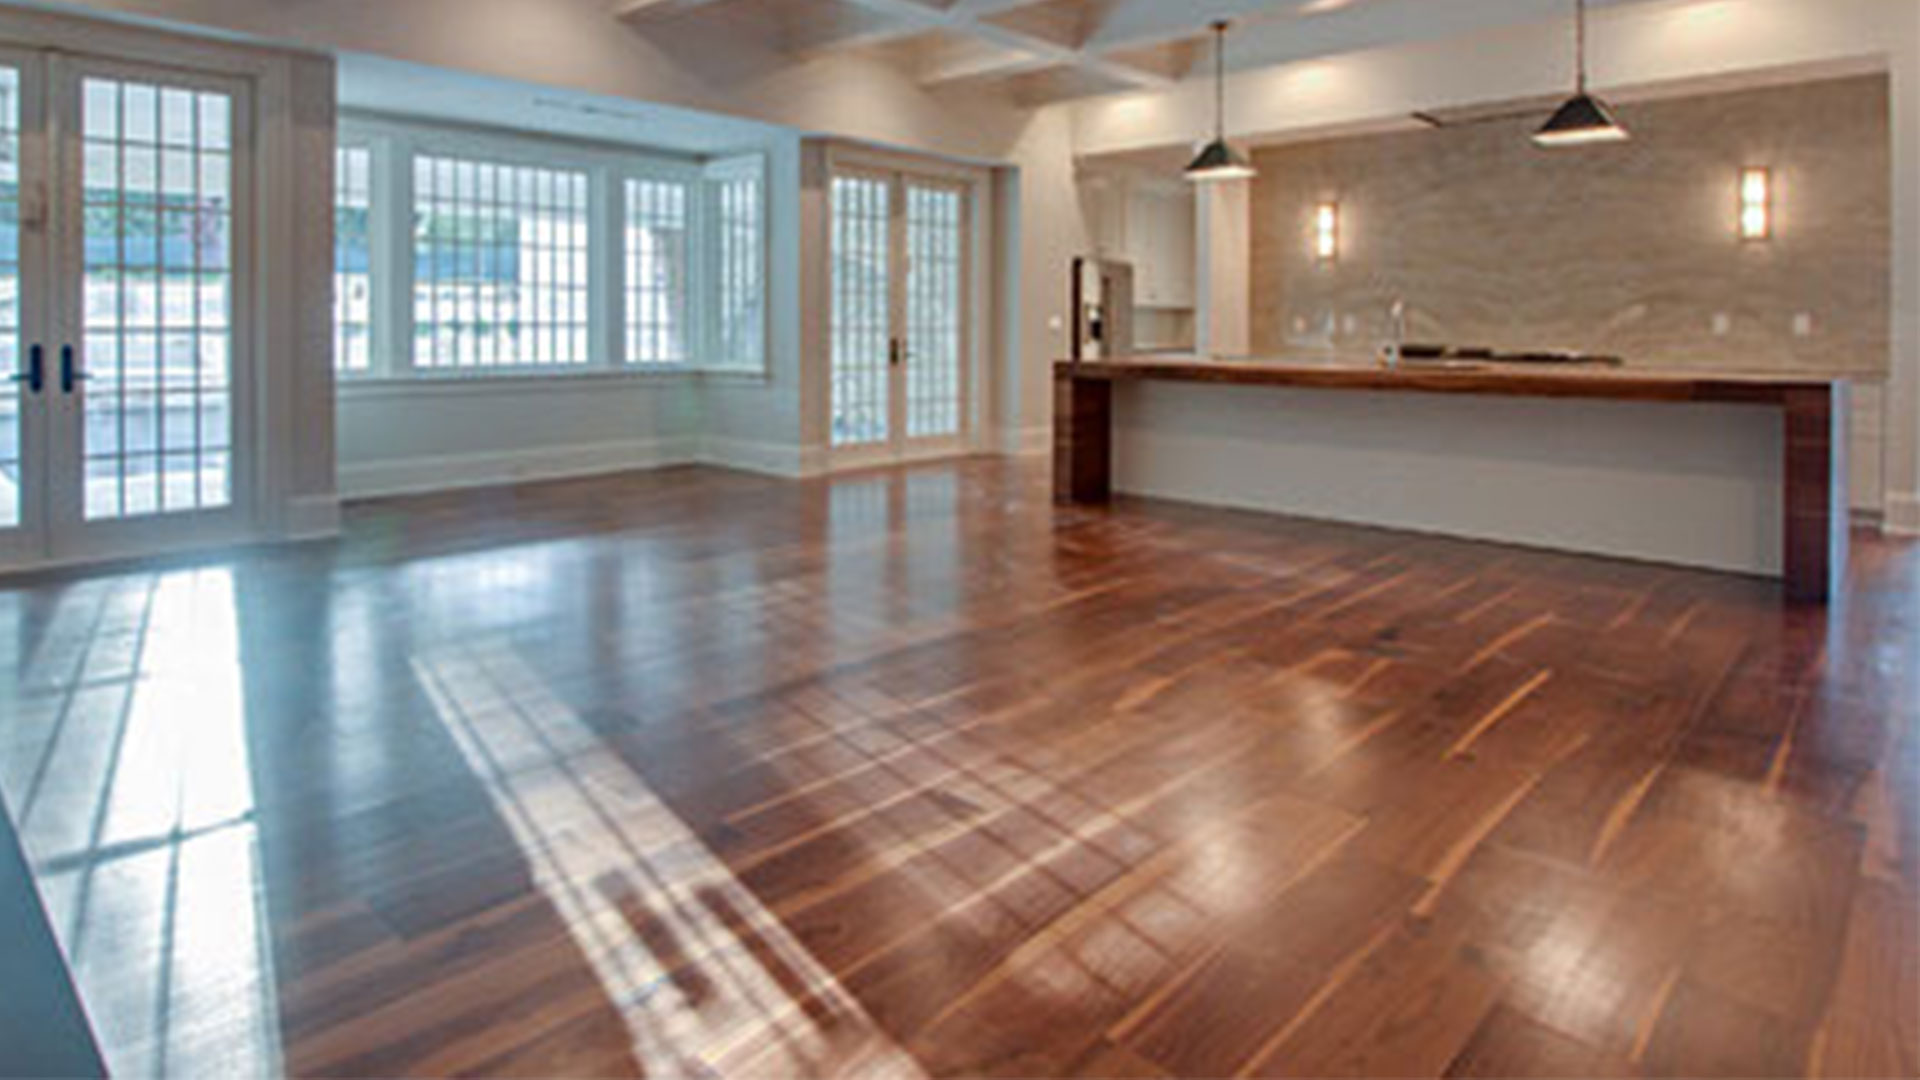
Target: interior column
{"x": 1223, "y": 246}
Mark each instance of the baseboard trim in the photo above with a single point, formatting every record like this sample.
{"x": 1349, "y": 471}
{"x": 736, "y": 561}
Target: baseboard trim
{"x": 1027, "y": 442}
{"x": 1902, "y": 514}
{"x": 312, "y": 517}
{"x": 450, "y": 472}
{"x": 420, "y": 475}
{"x": 785, "y": 460}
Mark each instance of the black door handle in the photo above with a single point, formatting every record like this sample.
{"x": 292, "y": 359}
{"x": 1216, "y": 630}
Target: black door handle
{"x": 36, "y": 374}
{"x": 68, "y": 376}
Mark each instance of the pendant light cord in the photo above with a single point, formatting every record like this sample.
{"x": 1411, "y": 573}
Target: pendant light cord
{"x": 1580, "y": 43}
{"x": 1220, "y": 79}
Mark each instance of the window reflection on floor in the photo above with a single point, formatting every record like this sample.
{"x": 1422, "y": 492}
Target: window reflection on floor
{"x": 123, "y": 756}
{"x": 707, "y": 981}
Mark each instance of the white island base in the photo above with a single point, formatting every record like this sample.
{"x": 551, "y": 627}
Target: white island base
{"x": 1693, "y": 484}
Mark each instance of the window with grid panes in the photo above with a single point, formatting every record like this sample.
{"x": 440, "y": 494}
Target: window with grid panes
{"x": 500, "y": 265}
{"x": 657, "y": 271}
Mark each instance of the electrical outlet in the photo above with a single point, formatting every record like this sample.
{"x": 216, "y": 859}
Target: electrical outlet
{"x": 1803, "y": 325}
{"x": 1722, "y": 324}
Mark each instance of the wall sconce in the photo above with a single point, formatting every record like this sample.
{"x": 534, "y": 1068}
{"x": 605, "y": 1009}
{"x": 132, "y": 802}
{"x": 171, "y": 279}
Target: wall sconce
{"x": 1756, "y": 204}
{"x": 1326, "y": 231}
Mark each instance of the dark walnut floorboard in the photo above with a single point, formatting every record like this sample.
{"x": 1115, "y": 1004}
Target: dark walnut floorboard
{"x": 697, "y": 773}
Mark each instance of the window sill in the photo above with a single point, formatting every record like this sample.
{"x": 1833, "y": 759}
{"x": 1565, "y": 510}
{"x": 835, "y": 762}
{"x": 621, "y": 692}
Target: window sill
{"x": 596, "y": 380}
{"x": 362, "y": 386}
{"x": 735, "y": 376}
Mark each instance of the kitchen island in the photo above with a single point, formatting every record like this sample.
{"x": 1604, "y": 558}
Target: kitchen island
{"x": 1735, "y": 472}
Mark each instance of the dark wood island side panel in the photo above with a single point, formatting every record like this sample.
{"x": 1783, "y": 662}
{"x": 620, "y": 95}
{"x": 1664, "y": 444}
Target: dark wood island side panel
{"x": 1814, "y": 413}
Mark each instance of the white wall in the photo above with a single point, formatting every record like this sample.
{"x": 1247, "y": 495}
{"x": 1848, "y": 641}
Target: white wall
{"x": 578, "y": 44}
{"x": 408, "y": 437}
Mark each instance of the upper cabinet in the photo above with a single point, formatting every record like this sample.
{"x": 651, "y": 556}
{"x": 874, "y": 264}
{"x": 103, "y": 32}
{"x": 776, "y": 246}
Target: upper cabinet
{"x": 1160, "y": 245}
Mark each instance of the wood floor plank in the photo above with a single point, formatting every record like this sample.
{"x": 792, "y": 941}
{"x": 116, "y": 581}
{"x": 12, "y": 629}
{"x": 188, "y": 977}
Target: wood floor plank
{"x": 908, "y": 771}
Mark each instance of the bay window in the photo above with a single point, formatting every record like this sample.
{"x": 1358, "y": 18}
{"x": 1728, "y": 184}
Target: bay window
{"x": 461, "y": 254}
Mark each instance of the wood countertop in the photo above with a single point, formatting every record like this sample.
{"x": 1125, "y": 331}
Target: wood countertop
{"x": 1514, "y": 380}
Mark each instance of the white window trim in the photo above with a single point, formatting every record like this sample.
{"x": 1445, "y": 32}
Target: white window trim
{"x": 395, "y": 141}
{"x": 750, "y": 166}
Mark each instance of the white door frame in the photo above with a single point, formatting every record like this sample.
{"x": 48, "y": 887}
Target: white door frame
{"x": 975, "y": 187}
{"x": 71, "y": 536}
{"x": 266, "y": 296}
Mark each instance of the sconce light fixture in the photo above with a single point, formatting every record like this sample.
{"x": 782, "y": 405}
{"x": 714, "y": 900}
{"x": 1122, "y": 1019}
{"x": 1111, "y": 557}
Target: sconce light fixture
{"x": 1326, "y": 231}
{"x": 1756, "y": 203}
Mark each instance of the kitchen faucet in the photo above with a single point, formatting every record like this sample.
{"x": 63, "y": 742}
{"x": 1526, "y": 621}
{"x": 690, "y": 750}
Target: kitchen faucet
{"x": 1396, "y": 333}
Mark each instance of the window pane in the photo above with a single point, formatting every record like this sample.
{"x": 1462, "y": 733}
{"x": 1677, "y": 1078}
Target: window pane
{"x": 934, "y": 264}
{"x": 352, "y": 259}
{"x": 742, "y": 291}
{"x": 656, "y": 272}
{"x": 12, "y": 349}
{"x": 861, "y": 322}
{"x": 157, "y": 237}
{"x": 500, "y": 265}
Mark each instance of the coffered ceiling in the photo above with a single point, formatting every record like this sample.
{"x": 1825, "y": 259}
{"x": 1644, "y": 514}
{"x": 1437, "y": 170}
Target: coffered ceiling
{"x": 1037, "y": 50}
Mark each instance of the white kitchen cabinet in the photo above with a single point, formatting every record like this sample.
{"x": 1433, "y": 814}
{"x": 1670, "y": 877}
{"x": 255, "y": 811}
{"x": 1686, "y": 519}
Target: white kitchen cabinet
{"x": 1159, "y": 238}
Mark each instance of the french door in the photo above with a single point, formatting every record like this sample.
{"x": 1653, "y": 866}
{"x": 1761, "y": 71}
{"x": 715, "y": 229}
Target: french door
{"x": 121, "y": 190}
{"x": 901, "y": 384}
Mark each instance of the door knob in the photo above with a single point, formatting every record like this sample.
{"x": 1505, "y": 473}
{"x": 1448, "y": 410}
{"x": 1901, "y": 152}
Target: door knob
{"x": 68, "y": 375}
{"x": 35, "y": 377}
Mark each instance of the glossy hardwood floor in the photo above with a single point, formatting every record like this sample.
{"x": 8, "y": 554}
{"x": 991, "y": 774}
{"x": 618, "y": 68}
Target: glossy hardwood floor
{"x": 695, "y": 773}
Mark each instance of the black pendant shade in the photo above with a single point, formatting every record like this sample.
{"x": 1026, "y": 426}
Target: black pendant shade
{"x": 1218, "y": 160}
{"x": 1583, "y": 119}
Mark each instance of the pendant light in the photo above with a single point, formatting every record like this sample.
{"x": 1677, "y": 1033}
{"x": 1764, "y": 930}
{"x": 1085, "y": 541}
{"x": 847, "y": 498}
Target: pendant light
{"x": 1218, "y": 160}
{"x": 1584, "y": 119}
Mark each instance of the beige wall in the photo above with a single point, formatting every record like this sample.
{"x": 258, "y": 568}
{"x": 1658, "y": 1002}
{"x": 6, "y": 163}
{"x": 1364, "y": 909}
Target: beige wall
{"x": 1621, "y": 249}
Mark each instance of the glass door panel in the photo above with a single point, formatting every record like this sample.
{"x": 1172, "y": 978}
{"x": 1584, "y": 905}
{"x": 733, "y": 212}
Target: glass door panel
{"x": 157, "y": 249}
{"x": 23, "y": 308}
{"x": 13, "y": 344}
{"x": 935, "y": 271}
{"x": 899, "y": 319}
{"x": 862, "y": 317}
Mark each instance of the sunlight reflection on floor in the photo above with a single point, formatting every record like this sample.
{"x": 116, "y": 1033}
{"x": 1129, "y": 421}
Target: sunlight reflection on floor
{"x": 128, "y": 776}
{"x": 705, "y": 978}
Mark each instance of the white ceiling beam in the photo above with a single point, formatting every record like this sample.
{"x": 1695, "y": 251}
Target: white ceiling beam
{"x": 635, "y": 10}
{"x": 975, "y": 60}
{"x": 972, "y": 21}
{"x": 1133, "y": 23}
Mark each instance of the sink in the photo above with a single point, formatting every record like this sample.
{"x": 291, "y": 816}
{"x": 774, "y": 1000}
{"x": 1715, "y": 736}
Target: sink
{"x": 1427, "y": 363}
